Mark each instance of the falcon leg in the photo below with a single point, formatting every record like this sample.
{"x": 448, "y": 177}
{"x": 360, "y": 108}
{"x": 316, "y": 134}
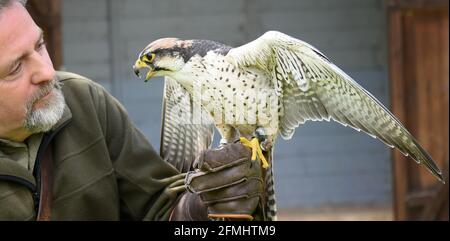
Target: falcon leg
{"x": 265, "y": 141}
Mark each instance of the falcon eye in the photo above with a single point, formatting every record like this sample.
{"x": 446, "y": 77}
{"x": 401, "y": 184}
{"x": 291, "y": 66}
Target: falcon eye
{"x": 148, "y": 58}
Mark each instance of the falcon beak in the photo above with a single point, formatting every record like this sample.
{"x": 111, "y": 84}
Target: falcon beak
{"x": 140, "y": 65}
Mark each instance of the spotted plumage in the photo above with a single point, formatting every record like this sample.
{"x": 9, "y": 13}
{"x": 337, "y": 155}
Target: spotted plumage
{"x": 273, "y": 84}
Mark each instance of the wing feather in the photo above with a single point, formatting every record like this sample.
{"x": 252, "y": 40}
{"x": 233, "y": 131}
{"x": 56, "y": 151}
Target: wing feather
{"x": 182, "y": 140}
{"x": 313, "y": 88}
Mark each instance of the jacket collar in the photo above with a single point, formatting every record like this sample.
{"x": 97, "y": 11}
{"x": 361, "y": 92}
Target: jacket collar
{"x": 66, "y": 117}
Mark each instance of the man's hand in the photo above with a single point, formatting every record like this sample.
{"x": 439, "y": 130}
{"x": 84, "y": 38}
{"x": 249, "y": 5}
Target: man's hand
{"x": 227, "y": 182}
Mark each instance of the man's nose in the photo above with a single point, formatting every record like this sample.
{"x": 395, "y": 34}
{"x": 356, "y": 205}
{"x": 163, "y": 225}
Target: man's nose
{"x": 43, "y": 70}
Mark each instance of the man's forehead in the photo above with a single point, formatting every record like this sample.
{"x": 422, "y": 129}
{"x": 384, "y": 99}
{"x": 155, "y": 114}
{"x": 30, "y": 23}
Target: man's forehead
{"x": 18, "y": 32}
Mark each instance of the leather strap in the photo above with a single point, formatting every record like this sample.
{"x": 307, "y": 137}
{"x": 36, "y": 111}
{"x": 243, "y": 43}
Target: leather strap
{"x": 46, "y": 185}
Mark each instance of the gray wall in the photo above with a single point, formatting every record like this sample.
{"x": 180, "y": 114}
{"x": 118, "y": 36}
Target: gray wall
{"x": 325, "y": 163}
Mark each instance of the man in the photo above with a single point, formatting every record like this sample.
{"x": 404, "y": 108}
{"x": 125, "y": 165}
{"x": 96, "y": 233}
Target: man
{"x": 63, "y": 133}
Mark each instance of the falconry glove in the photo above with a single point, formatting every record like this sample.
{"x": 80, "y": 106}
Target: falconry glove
{"x": 189, "y": 207}
{"x": 227, "y": 181}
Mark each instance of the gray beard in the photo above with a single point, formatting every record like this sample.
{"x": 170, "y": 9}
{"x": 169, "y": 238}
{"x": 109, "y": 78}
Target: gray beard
{"x": 44, "y": 118}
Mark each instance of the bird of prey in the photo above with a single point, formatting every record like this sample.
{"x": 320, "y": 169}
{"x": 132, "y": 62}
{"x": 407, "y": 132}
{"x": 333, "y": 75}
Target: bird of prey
{"x": 261, "y": 89}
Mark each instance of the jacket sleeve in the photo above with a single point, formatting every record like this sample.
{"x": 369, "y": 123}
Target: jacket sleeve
{"x": 148, "y": 186}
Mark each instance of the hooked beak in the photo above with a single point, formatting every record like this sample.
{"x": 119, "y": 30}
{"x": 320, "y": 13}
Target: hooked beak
{"x": 140, "y": 65}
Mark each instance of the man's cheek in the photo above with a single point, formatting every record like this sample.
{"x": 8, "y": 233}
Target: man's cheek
{"x": 14, "y": 114}
{"x": 20, "y": 110}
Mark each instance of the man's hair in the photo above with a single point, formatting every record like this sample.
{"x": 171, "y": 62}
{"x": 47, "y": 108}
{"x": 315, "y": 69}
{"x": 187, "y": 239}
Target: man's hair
{"x": 6, "y": 3}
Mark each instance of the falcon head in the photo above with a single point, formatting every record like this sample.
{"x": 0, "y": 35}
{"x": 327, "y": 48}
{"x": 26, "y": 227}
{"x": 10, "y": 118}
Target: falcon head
{"x": 162, "y": 57}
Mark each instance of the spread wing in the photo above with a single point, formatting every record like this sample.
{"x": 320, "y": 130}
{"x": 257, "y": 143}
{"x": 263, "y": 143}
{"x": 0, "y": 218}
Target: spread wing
{"x": 181, "y": 139}
{"x": 313, "y": 88}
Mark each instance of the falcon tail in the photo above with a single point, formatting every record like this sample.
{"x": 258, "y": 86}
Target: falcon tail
{"x": 270, "y": 205}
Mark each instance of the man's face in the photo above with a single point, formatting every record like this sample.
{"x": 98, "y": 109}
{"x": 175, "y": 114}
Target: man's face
{"x": 30, "y": 99}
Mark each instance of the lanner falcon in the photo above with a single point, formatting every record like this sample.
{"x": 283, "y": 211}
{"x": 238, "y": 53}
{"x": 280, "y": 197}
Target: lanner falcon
{"x": 257, "y": 90}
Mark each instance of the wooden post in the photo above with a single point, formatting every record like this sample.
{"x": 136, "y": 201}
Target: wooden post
{"x": 418, "y": 61}
{"x": 398, "y": 107}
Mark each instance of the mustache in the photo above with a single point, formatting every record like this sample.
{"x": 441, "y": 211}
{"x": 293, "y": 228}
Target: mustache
{"x": 44, "y": 90}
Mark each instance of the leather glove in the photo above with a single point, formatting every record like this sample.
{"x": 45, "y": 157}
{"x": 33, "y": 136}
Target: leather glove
{"x": 228, "y": 182}
{"x": 189, "y": 207}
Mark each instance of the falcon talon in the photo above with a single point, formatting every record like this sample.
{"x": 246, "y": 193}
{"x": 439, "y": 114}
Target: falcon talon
{"x": 256, "y": 150}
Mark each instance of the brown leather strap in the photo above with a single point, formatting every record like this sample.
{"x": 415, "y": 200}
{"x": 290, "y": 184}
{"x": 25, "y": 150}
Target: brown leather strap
{"x": 45, "y": 202}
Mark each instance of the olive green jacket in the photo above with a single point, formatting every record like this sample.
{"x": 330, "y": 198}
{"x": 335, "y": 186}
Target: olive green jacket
{"x": 103, "y": 167}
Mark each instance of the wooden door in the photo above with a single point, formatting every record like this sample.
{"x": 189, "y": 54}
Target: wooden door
{"x": 419, "y": 55}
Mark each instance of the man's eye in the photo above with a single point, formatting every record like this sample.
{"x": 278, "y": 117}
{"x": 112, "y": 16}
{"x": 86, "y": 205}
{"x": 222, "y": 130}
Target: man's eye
{"x": 16, "y": 69}
{"x": 41, "y": 45}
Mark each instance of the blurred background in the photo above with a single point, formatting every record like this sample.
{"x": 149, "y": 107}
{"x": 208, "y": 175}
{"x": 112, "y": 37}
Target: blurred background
{"x": 396, "y": 49}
